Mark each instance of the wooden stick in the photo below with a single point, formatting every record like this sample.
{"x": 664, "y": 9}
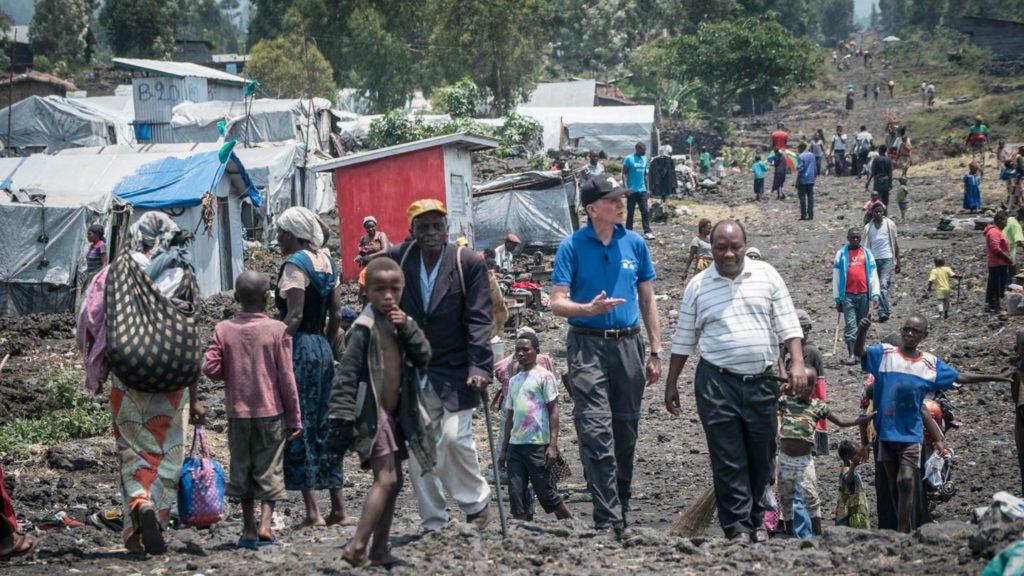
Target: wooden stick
{"x": 4, "y": 362}
{"x": 835, "y": 341}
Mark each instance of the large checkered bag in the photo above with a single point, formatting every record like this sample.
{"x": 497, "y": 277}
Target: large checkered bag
{"x": 153, "y": 341}
{"x": 201, "y": 486}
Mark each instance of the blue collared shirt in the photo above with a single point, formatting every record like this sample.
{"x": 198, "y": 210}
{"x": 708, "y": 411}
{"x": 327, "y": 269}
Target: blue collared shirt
{"x": 806, "y": 167}
{"x": 427, "y": 280}
{"x": 587, "y": 267}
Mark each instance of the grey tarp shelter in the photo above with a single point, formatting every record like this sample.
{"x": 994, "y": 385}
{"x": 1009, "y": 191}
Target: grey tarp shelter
{"x": 261, "y": 120}
{"x": 536, "y": 206}
{"x": 614, "y": 129}
{"x": 79, "y": 190}
{"x": 52, "y": 123}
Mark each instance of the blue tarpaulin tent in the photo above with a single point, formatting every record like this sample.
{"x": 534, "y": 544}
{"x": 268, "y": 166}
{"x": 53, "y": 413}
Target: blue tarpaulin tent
{"x": 179, "y": 182}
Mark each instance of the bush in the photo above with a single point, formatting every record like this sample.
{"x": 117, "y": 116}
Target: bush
{"x": 539, "y": 162}
{"x": 459, "y": 100}
{"x": 521, "y": 131}
{"x": 41, "y": 63}
{"x": 73, "y": 414}
{"x": 395, "y": 128}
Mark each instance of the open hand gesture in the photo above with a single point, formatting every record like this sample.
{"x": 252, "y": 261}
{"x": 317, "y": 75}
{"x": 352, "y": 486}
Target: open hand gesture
{"x": 602, "y": 304}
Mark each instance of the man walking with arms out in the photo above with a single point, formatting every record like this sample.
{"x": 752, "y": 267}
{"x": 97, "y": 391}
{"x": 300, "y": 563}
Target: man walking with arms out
{"x": 634, "y": 170}
{"x": 603, "y": 284}
{"x": 733, "y": 313}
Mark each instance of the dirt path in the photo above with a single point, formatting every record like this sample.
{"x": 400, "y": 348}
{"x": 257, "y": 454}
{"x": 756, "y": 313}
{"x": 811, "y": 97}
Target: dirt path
{"x": 672, "y": 463}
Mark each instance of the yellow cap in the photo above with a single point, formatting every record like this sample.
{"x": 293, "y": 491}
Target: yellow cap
{"x": 461, "y": 241}
{"x": 423, "y": 206}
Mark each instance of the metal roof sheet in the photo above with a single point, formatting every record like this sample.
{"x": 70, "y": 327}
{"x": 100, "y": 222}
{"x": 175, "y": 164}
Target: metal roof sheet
{"x": 178, "y": 70}
{"x": 462, "y": 140}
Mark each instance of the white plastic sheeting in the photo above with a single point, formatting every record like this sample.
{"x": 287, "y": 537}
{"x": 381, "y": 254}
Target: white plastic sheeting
{"x": 52, "y": 123}
{"x": 269, "y": 120}
{"x": 533, "y": 205}
{"x": 78, "y": 192}
{"x": 614, "y": 129}
{"x": 273, "y": 168}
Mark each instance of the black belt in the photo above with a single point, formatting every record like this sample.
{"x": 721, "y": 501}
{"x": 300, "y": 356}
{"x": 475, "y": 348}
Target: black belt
{"x": 766, "y": 375}
{"x": 612, "y": 334}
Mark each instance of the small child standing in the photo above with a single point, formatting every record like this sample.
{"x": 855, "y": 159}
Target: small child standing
{"x": 1009, "y": 175}
{"x": 798, "y": 416}
{"x": 759, "y": 169}
{"x": 252, "y": 354}
{"x": 96, "y": 257}
{"x": 940, "y": 277}
{"x": 719, "y": 166}
{"x": 901, "y": 197}
{"x": 852, "y": 504}
{"x": 384, "y": 352}
{"x": 529, "y": 448}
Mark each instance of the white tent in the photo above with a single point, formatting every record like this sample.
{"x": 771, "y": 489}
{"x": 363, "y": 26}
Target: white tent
{"x": 48, "y": 202}
{"x": 614, "y": 129}
{"x": 52, "y": 123}
{"x": 273, "y": 168}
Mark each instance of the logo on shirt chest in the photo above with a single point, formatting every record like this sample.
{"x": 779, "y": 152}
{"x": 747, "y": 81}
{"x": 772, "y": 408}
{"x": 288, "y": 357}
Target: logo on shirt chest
{"x": 628, "y": 264}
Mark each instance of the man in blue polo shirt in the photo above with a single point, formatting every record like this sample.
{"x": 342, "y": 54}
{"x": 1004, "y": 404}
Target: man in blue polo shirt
{"x": 603, "y": 284}
{"x": 634, "y": 167}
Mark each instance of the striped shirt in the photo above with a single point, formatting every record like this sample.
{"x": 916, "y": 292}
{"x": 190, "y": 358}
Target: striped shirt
{"x": 736, "y": 322}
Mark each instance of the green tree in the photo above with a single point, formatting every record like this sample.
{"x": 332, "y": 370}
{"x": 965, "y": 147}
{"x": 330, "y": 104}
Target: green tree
{"x": 742, "y": 56}
{"x": 288, "y": 67}
{"x": 60, "y": 30}
{"x": 836, "y": 23}
{"x": 895, "y": 15}
{"x": 497, "y": 43}
{"x": 267, "y": 19}
{"x": 206, "y": 20}
{"x": 140, "y": 28}
{"x": 381, "y": 62}
{"x": 875, "y": 20}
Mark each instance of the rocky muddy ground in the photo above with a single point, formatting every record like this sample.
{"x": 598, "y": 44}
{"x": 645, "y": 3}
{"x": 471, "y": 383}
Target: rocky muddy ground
{"x": 672, "y": 463}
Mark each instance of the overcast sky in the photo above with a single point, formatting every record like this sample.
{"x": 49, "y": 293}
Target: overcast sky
{"x": 862, "y": 8}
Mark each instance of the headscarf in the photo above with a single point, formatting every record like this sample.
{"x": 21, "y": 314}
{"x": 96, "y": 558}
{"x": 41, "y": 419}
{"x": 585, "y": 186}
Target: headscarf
{"x": 303, "y": 224}
{"x": 153, "y": 229}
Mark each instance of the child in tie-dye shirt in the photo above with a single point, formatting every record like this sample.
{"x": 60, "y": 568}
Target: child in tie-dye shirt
{"x": 529, "y": 448}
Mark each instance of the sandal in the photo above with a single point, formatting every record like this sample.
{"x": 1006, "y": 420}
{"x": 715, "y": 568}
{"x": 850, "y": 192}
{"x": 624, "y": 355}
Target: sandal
{"x": 23, "y": 545}
{"x": 152, "y": 532}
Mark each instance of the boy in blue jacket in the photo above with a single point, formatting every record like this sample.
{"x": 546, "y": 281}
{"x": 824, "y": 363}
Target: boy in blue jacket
{"x": 854, "y": 286}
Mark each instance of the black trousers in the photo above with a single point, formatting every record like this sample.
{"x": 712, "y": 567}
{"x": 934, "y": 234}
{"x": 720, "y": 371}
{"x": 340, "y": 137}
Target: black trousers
{"x": 806, "y": 193}
{"x": 525, "y": 463}
{"x": 632, "y": 201}
{"x": 739, "y": 420}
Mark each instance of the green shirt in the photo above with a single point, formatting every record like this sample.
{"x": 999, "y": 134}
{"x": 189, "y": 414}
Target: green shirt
{"x": 705, "y": 161}
{"x": 1014, "y": 234}
{"x": 798, "y": 417}
{"x": 901, "y": 194}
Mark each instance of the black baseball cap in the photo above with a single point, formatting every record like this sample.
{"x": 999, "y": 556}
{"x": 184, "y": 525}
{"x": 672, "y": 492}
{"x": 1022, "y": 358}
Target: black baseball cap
{"x": 600, "y": 187}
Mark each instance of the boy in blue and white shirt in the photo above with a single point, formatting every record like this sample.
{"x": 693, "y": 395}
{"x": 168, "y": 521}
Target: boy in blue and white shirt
{"x": 903, "y": 377}
{"x": 759, "y": 169}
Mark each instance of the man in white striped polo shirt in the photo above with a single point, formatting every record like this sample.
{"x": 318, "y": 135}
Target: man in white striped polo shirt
{"x": 728, "y": 315}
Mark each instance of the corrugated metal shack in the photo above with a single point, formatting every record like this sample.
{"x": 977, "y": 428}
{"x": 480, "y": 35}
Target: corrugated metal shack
{"x": 168, "y": 84}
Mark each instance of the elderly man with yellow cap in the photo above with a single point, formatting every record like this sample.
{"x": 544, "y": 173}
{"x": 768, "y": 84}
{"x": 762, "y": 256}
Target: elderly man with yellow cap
{"x": 448, "y": 294}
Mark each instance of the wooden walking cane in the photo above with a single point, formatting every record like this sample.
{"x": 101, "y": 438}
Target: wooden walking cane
{"x": 835, "y": 340}
{"x": 494, "y": 463}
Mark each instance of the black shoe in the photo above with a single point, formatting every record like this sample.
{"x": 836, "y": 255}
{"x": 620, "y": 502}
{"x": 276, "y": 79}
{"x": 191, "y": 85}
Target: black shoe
{"x": 883, "y": 318}
{"x": 149, "y": 524}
